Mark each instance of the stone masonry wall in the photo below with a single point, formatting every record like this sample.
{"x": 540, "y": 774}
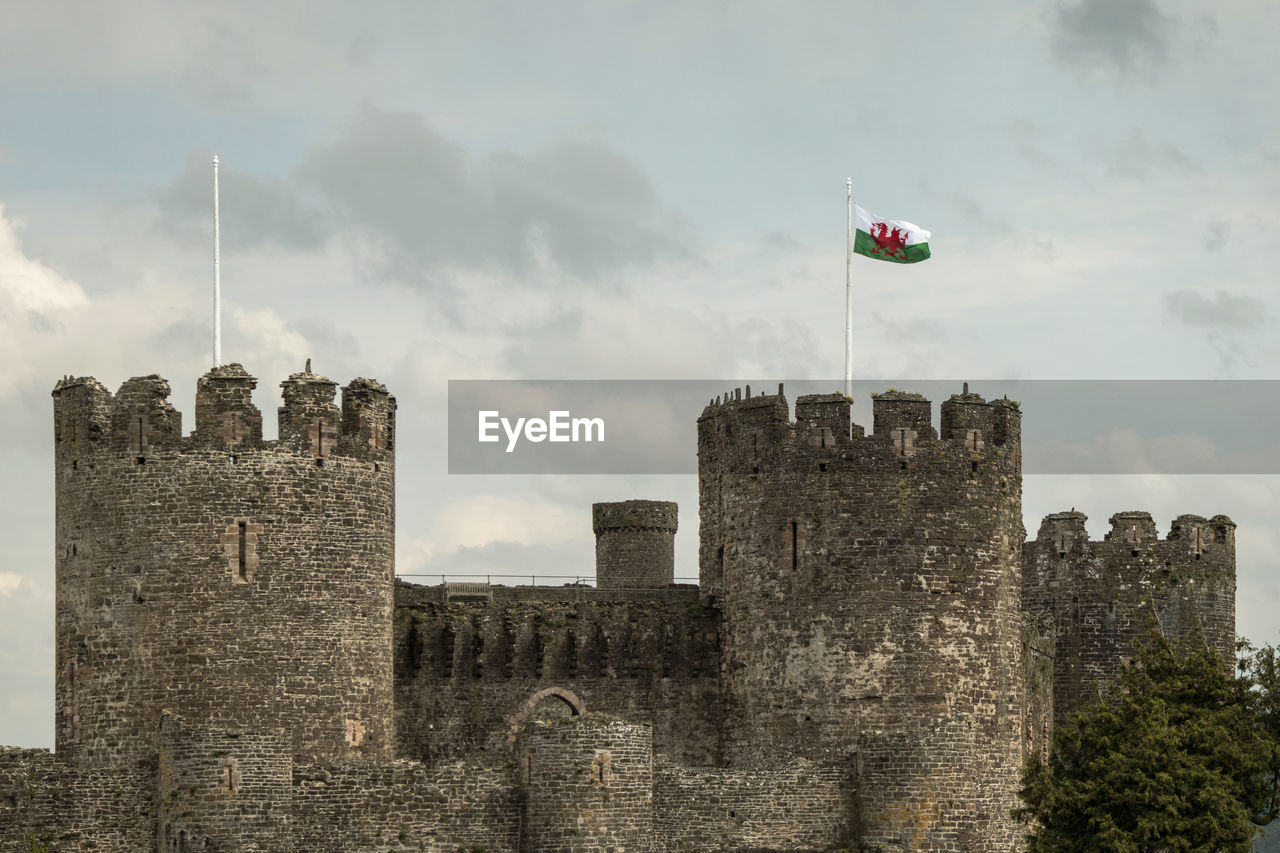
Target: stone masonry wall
{"x": 231, "y": 580}
{"x": 798, "y": 806}
{"x": 872, "y": 584}
{"x": 1100, "y": 595}
{"x": 72, "y": 809}
{"x": 588, "y": 785}
{"x": 223, "y": 790}
{"x": 405, "y": 806}
{"x": 1038, "y": 650}
{"x": 464, "y": 668}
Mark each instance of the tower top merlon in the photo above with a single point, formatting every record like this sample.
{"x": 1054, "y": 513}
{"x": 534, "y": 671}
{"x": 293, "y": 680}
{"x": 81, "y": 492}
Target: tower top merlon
{"x": 368, "y": 418}
{"x": 225, "y": 414}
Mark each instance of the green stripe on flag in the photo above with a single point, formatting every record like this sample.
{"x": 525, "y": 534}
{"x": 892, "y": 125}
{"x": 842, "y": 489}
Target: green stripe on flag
{"x": 863, "y": 244}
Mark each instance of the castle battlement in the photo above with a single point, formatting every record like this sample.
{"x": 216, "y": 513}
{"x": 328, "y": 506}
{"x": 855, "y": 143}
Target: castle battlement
{"x": 751, "y": 427}
{"x": 139, "y": 421}
{"x": 1135, "y": 529}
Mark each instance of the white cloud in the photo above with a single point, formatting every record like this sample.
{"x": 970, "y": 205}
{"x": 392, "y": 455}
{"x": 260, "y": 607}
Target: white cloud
{"x": 480, "y": 520}
{"x": 9, "y": 583}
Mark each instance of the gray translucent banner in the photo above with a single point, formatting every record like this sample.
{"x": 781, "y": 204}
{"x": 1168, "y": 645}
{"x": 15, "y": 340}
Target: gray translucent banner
{"x": 1068, "y": 426}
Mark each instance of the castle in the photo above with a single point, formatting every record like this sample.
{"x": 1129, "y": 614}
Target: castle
{"x": 870, "y": 653}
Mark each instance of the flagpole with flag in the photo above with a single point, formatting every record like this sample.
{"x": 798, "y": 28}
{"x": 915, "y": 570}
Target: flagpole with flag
{"x": 848, "y": 292}
{"x": 894, "y": 240}
{"x": 217, "y": 274}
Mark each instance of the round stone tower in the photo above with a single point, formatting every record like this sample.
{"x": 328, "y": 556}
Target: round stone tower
{"x": 635, "y": 544}
{"x": 236, "y": 582}
{"x": 870, "y": 591}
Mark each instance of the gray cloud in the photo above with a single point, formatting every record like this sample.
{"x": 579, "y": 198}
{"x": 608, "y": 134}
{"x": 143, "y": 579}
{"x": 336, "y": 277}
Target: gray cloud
{"x": 428, "y": 204}
{"x": 418, "y": 204}
{"x": 1123, "y": 34}
{"x": 1135, "y": 157}
{"x": 1223, "y": 310}
{"x": 1224, "y": 318}
{"x": 1216, "y": 234}
{"x": 254, "y": 211}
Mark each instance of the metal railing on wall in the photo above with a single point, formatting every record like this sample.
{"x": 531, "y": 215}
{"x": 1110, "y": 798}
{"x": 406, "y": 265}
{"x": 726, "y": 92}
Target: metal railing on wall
{"x": 556, "y": 580}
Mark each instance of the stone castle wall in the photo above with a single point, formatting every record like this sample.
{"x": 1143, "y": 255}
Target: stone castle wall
{"x": 1101, "y": 595}
{"x": 230, "y": 580}
{"x": 588, "y": 785}
{"x": 220, "y": 789}
{"x": 464, "y": 668}
{"x": 795, "y": 806}
{"x": 405, "y": 805}
{"x": 69, "y": 808}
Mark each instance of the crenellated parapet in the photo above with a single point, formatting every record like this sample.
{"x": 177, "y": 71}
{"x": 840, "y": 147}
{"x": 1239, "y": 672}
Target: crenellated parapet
{"x": 1101, "y": 594}
{"x": 139, "y": 419}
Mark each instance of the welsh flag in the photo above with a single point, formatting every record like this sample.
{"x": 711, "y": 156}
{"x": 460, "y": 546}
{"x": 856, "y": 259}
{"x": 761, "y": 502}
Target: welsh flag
{"x": 888, "y": 239}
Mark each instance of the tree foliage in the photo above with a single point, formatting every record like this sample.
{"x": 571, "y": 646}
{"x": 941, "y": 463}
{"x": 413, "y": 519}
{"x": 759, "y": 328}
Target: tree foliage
{"x": 1180, "y": 758}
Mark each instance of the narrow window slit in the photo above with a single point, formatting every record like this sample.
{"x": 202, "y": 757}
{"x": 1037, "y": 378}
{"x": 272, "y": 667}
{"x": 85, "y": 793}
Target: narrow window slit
{"x": 244, "y": 552}
{"x": 795, "y": 547}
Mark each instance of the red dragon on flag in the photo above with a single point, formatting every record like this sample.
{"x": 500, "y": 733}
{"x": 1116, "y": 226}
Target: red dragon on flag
{"x": 891, "y": 242}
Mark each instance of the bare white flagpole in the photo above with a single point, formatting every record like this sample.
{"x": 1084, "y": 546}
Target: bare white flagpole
{"x": 217, "y": 274}
{"x": 848, "y": 294}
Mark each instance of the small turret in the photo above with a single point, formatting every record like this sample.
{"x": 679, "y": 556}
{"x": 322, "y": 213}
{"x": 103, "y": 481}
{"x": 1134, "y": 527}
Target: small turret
{"x": 1063, "y": 532}
{"x": 635, "y": 544}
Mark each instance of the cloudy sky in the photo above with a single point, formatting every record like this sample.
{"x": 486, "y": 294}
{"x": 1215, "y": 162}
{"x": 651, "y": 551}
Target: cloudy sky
{"x": 423, "y": 191}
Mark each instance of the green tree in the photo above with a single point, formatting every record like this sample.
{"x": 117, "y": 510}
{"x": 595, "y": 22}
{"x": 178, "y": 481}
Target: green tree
{"x": 1174, "y": 760}
{"x": 1261, "y": 668}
